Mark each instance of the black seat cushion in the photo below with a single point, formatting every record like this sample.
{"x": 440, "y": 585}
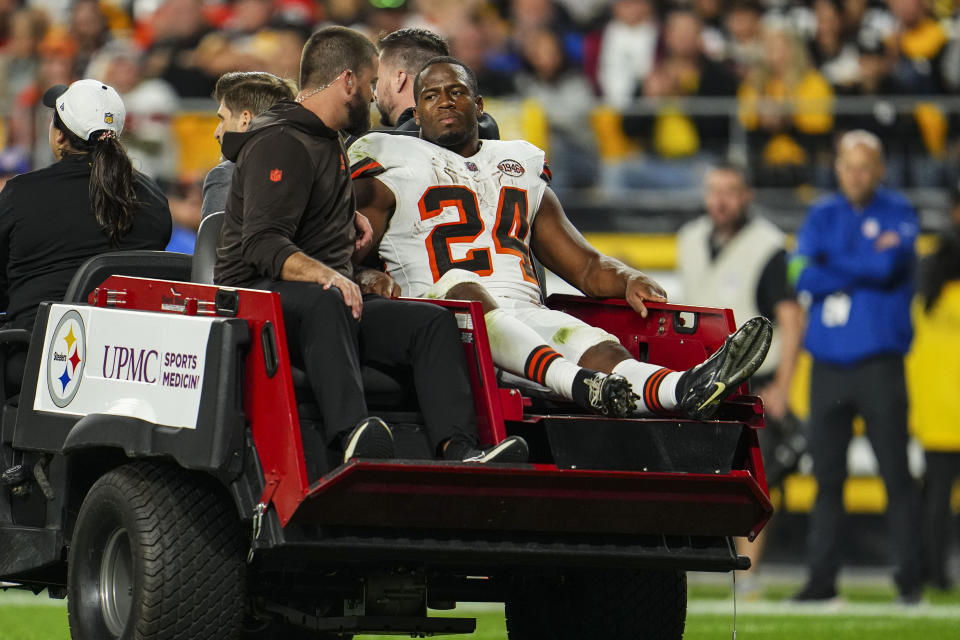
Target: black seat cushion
{"x": 163, "y": 265}
{"x": 205, "y": 251}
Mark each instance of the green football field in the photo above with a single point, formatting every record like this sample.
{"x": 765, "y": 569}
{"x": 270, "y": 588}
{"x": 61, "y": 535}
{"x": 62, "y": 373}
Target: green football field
{"x": 867, "y": 611}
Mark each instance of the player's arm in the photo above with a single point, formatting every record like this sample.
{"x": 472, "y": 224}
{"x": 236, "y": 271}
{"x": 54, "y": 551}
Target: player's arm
{"x": 563, "y": 250}
{"x": 377, "y": 203}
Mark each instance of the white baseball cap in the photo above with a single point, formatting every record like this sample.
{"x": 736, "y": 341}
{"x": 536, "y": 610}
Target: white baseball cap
{"x": 87, "y": 106}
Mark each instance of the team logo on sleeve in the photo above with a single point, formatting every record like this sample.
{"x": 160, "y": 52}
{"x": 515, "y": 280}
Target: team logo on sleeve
{"x": 276, "y": 175}
{"x": 511, "y": 168}
{"x": 66, "y": 359}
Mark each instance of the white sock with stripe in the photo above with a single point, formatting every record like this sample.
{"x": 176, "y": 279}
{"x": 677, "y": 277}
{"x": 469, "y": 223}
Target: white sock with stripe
{"x": 656, "y": 385}
{"x": 521, "y": 351}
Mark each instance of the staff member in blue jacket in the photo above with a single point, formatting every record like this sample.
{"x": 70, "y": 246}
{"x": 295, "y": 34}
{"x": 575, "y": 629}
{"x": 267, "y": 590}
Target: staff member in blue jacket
{"x": 854, "y": 262}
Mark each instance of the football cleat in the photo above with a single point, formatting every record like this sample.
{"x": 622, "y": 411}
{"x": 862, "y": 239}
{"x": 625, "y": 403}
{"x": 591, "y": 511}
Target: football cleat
{"x": 702, "y": 388}
{"x": 609, "y": 395}
{"x": 371, "y": 438}
{"x": 511, "y": 450}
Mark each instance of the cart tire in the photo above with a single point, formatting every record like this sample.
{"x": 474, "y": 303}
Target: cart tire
{"x": 156, "y": 554}
{"x": 614, "y": 605}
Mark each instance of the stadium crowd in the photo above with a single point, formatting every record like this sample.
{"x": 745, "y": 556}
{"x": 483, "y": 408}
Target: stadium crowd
{"x": 665, "y": 85}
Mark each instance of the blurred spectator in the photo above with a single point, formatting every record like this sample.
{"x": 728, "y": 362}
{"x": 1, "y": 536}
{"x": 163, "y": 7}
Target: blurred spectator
{"x": 867, "y": 21}
{"x": 920, "y": 43}
{"x": 7, "y": 9}
{"x": 795, "y": 15}
{"x": 933, "y": 377}
{"x": 565, "y": 95}
{"x": 279, "y": 49}
{"x": 854, "y": 263}
{"x": 248, "y": 17}
{"x": 786, "y": 108}
{"x": 744, "y": 21}
{"x": 29, "y": 120}
{"x": 345, "y": 12}
{"x": 151, "y": 105}
{"x": 684, "y": 70}
{"x": 908, "y": 162}
{"x": 58, "y": 11}
{"x": 627, "y": 51}
{"x": 90, "y": 30}
{"x": 13, "y": 162}
{"x": 832, "y": 53}
{"x": 678, "y": 147}
{"x": 527, "y": 15}
{"x": 472, "y": 45}
{"x": 178, "y": 26}
{"x": 19, "y": 58}
{"x": 711, "y": 17}
{"x": 186, "y": 199}
{"x": 734, "y": 258}
{"x": 584, "y": 12}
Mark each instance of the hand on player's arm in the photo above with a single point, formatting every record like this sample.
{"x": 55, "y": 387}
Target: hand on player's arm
{"x": 361, "y": 246}
{"x": 563, "y": 250}
{"x": 300, "y": 267}
{"x": 378, "y": 282}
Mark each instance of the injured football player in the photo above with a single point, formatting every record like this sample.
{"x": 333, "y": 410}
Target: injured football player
{"x": 458, "y": 217}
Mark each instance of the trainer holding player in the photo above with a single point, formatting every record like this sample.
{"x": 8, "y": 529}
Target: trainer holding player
{"x": 289, "y": 228}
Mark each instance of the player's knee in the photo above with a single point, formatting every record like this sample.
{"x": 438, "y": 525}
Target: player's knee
{"x": 454, "y": 279}
{"x": 467, "y": 291}
{"x": 605, "y": 355}
{"x": 584, "y": 339}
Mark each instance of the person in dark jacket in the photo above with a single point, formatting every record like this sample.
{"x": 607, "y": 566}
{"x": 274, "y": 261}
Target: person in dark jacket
{"x": 88, "y": 202}
{"x": 243, "y": 95}
{"x": 289, "y": 227}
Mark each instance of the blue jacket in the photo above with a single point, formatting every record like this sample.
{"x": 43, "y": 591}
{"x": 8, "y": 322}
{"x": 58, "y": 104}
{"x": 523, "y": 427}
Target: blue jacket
{"x": 860, "y": 297}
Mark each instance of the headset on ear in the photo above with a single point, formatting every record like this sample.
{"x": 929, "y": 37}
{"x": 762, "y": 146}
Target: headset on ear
{"x": 350, "y": 83}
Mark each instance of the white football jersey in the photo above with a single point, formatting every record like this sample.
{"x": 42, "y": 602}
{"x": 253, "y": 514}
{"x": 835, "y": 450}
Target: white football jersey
{"x": 453, "y": 212}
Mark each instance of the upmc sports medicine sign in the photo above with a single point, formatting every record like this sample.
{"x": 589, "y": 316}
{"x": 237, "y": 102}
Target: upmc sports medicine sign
{"x": 144, "y": 365}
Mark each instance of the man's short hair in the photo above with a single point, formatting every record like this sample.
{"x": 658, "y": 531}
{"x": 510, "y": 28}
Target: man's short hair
{"x": 409, "y": 49}
{"x": 859, "y": 137}
{"x": 734, "y": 168}
{"x": 471, "y": 76}
{"x": 331, "y": 51}
{"x": 253, "y": 91}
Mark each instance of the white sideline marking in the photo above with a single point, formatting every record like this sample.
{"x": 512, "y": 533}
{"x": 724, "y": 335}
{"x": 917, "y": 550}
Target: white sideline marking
{"x": 839, "y": 608}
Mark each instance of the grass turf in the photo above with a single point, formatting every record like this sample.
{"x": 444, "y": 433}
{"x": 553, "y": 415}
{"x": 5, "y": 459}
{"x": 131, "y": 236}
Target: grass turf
{"x": 868, "y": 614}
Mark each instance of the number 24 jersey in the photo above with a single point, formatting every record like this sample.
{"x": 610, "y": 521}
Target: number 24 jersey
{"x": 454, "y": 212}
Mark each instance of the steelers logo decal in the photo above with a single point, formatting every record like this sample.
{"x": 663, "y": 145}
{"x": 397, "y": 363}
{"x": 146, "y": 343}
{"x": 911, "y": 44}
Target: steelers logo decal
{"x": 66, "y": 358}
